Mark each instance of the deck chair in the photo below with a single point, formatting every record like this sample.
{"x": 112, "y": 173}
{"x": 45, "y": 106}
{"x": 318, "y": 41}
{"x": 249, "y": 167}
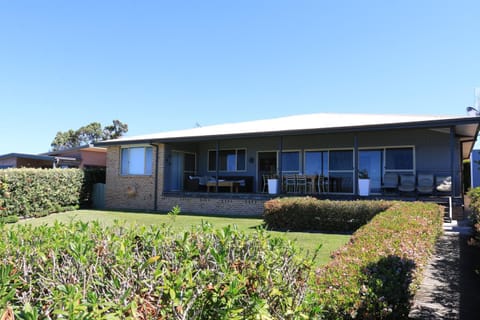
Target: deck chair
{"x": 443, "y": 184}
{"x": 407, "y": 183}
{"x": 390, "y": 182}
{"x": 425, "y": 183}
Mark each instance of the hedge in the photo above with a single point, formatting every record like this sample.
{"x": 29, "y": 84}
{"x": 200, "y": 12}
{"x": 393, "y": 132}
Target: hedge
{"x": 87, "y": 271}
{"x": 38, "y": 192}
{"x": 474, "y": 195}
{"x": 310, "y": 214}
{"x": 376, "y": 274}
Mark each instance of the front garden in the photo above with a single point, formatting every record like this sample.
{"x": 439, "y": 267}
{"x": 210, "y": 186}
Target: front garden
{"x": 182, "y": 268}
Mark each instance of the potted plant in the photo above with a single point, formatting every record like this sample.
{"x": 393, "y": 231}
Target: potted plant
{"x": 363, "y": 183}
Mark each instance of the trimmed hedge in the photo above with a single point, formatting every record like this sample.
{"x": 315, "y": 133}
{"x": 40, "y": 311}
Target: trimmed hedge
{"x": 39, "y": 192}
{"x": 376, "y": 274}
{"x": 86, "y": 271}
{"x": 310, "y": 214}
{"x": 474, "y": 195}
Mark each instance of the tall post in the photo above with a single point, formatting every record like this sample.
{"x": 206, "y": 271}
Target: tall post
{"x": 217, "y": 160}
{"x": 155, "y": 196}
{"x": 280, "y": 164}
{"x": 452, "y": 160}
{"x": 355, "y": 169}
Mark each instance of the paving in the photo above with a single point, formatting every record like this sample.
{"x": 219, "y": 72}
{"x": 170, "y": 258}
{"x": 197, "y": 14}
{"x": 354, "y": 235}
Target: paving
{"x": 451, "y": 284}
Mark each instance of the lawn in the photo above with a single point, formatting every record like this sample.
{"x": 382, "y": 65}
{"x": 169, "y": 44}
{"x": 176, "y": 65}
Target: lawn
{"x": 306, "y": 242}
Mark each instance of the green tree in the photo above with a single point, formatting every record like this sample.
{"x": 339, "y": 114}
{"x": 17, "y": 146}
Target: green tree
{"x": 88, "y": 134}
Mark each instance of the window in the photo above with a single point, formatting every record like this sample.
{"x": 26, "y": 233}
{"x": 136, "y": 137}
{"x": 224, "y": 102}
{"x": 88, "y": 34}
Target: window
{"x": 316, "y": 162}
{"x": 230, "y": 160}
{"x": 291, "y": 161}
{"x": 136, "y": 161}
{"x": 399, "y": 159}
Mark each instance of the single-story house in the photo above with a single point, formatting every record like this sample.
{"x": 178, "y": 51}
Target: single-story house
{"x": 83, "y": 157}
{"x": 233, "y": 168}
{"x": 86, "y": 157}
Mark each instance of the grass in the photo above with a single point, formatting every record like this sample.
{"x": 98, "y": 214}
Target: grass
{"x": 306, "y": 242}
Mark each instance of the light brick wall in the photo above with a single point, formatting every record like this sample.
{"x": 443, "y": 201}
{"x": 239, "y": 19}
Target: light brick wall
{"x": 127, "y": 192}
{"x": 211, "y": 205}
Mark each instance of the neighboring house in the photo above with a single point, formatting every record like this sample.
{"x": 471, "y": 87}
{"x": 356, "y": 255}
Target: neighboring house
{"x": 22, "y": 160}
{"x": 86, "y": 157}
{"x": 475, "y": 168}
{"x": 81, "y": 157}
{"x": 158, "y": 171}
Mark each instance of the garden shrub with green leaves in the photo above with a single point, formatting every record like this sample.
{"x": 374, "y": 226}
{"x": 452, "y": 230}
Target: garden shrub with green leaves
{"x": 38, "y": 192}
{"x": 84, "y": 270}
{"x": 310, "y": 214}
{"x": 474, "y": 195}
{"x": 376, "y": 274}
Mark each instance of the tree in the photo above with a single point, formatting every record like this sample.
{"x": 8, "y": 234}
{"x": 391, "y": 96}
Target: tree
{"x": 88, "y": 134}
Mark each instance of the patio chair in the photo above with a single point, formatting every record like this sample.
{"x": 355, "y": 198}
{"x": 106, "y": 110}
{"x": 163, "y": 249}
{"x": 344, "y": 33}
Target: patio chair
{"x": 407, "y": 183}
{"x": 322, "y": 184}
{"x": 290, "y": 183}
{"x": 265, "y": 178}
{"x": 425, "y": 183}
{"x": 390, "y": 182}
{"x": 443, "y": 184}
{"x": 301, "y": 183}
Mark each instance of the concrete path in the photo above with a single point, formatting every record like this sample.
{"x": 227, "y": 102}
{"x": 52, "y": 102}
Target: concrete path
{"x": 451, "y": 285}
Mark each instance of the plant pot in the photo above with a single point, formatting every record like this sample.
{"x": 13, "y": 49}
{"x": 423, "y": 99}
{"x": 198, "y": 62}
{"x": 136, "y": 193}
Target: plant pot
{"x": 272, "y": 186}
{"x": 363, "y": 187}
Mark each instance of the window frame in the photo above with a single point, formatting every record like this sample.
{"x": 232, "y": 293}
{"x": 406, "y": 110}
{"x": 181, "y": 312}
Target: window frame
{"x": 147, "y": 167}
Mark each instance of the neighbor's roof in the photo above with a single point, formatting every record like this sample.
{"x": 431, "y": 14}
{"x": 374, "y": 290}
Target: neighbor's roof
{"x": 309, "y": 123}
{"x": 27, "y": 156}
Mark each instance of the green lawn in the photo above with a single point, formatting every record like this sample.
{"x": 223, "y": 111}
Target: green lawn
{"x": 306, "y": 242}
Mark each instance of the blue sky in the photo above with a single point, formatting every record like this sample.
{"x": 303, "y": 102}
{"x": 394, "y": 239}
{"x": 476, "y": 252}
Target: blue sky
{"x": 167, "y": 65}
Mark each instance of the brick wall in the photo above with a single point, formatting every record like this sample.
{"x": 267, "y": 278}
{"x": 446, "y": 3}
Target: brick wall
{"x": 211, "y": 205}
{"x": 127, "y": 192}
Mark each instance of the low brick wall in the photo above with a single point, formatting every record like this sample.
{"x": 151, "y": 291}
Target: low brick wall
{"x": 211, "y": 205}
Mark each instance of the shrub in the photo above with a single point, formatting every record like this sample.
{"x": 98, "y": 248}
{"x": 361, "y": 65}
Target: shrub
{"x": 84, "y": 270}
{"x": 37, "y": 192}
{"x": 474, "y": 195}
{"x": 310, "y": 214}
{"x": 376, "y": 274}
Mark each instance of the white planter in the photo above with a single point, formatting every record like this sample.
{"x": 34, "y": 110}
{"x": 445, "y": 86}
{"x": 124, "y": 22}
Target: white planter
{"x": 273, "y": 186}
{"x": 363, "y": 187}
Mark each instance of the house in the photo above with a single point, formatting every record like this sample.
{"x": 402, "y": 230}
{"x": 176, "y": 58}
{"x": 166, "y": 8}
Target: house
{"x": 224, "y": 168}
{"x": 23, "y": 160}
{"x": 86, "y": 157}
{"x": 79, "y": 157}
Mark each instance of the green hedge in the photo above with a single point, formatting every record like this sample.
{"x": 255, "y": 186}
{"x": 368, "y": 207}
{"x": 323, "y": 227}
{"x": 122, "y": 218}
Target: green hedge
{"x": 38, "y": 192}
{"x": 310, "y": 214}
{"x": 86, "y": 271}
{"x": 376, "y": 274}
{"x": 474, "y": 195}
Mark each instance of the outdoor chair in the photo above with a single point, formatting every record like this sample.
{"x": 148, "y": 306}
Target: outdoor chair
{"x": 322, "y": 184}
{"x": 290, "y": 183}
{"x": 443, "y": 184}
{"x": 265, "y": 178}
{"x": 407, "y": 183}
{"x": 301, "y": 183}
{"x": 425, "y": 183}
{"x": 390, "y": 181}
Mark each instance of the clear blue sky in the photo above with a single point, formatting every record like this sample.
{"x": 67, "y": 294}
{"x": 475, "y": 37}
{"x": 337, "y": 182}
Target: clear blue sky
{"x": 166, "y": 65}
